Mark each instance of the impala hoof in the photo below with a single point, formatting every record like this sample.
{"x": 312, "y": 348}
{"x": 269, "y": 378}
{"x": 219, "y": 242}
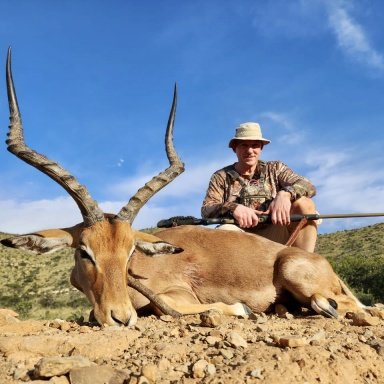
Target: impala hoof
{"x": 247, "y": 310}
{"x": 323, "y": 306}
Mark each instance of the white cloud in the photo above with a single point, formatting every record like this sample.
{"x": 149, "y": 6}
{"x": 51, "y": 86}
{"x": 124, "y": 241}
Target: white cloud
{"x": 28, "y": 216}
{"x": 346, "y": 184}
{"x": 351, "y": 36}
{"x": 183, "y": 196}
{"x": 193, "y": 181}
{"x": 291, "y": 134}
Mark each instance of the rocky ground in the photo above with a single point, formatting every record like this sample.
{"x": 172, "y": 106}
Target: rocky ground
{"x": 303, "y": 348}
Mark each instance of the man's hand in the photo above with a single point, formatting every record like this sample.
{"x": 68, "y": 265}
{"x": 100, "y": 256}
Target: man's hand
{"x": 280, "y": 208}
{"x": 245, "y": 217}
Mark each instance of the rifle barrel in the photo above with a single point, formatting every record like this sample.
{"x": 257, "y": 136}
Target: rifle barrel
{"x": 190, "y": 220}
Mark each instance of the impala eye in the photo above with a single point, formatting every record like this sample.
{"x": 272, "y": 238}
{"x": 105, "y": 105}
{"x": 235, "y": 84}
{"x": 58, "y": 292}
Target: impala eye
{"x": 85, "y": 255}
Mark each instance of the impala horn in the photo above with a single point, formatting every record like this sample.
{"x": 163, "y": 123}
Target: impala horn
{"x": 176, "y": 167}
{"x": 89, "y": 209}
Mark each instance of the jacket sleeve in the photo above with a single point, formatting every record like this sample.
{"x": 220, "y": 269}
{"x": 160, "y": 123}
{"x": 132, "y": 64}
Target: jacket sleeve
{"x": 215, "y": 203}
{"x": 297, "y": 185}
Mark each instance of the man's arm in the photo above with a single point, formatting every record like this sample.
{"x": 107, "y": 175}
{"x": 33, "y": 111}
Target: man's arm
{"x": 215, "y": 203}
{"x": 298, "y": 186}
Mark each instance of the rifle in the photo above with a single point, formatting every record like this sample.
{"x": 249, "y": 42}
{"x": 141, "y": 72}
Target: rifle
{"x": 190, "y": 220}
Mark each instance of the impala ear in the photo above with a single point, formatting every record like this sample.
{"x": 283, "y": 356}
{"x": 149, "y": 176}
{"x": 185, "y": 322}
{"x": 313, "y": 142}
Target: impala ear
{"x": 157, "y": 249}
{"x": 36, "y": 243}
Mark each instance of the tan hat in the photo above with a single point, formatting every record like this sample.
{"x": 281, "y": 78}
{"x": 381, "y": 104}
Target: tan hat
{"x": 248, "y": 131}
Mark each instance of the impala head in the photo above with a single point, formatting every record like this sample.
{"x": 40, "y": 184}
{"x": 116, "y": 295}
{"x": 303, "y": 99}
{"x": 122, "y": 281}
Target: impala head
{"x": 104, "y": 243}
{"x": 101, "y": 266}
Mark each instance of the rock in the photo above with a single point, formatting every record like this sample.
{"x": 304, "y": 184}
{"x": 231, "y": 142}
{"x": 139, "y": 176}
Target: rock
{"x": 8, "y": 312}
{"x": 150, "y": 371}
{"x": 226, "y": 353}
{"x": 57, "y": 366}
{"x": 7, "y": 316}
{"x": 317, "y": 338}
{"x": 377, "y": 312}
{"x": 258, "y": 318}
{"x": 199, "y": 369}
{"x": 167, "y": 318}
{"x": 210, "y": 318}
{"x": 292, "y": 341}
{"x": 210, "y": 369}
{"x": 143, "y": 380}
{"x": 256, "y": 373}
{"x": 97, "y": 375}
{"x": 364, "y": 319}
{"x": 21, "y": 373}
{"x": 53, "y": 380}
{"x": 236, "y": 340}
{"x": 212, "y": 340}
{"x": 378, "y": 346}
{"x": 164, "y": 364}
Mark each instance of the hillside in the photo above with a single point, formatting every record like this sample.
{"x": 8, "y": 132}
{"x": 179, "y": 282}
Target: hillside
{"x": 358, "y": 257}
{"x": 37, "y": 286}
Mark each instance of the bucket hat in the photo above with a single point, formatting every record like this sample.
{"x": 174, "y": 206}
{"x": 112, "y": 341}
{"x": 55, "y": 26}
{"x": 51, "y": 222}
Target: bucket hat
{"x": 248, "y": 131}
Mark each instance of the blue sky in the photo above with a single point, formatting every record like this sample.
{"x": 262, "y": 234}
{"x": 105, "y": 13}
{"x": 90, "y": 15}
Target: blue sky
{"x": 94, "y": 81}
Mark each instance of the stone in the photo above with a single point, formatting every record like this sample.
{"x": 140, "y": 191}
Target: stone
{"x": 167, "y": 318}
{"x": 364, "y": 319}
{"x": 292, "y": 341}
{"x": 210, "y": 369}
{"x": 53, "y": 380}
{"x": 211, "y": 319}
{"x": 150, "y": 371}
{"x": 57, "y": 366}
{"x": 212, "y": 340}
{"x": 258, "y": 318}
{"x": 199, "y": 369}
{"x": 226, "y": 353}
{"x": 377, "y": 312}
{"x": 7, "y": 316}
{"x": 97, "y": 375}
{"x": 236, "y": 340}
{"x": 256, "y": 373}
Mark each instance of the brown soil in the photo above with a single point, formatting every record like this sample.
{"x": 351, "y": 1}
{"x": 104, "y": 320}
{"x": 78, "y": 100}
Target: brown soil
{"x": 188, "y": 350}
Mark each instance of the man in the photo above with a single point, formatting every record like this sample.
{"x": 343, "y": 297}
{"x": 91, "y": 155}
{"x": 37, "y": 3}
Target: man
{"x": 251, "y": 187}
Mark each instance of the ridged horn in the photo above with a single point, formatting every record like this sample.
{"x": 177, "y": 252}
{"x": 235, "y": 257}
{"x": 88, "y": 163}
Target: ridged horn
{"x": 129, "y": 211}
{"x": 89, "y": 209}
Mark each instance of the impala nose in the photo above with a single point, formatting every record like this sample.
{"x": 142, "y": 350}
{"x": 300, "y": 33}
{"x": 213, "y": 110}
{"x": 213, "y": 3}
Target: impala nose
{"x": 124, "y": 318}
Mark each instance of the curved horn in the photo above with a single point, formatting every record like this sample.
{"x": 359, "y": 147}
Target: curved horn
{"x": 89, "y": 209}
{"x": 129, "y": 211}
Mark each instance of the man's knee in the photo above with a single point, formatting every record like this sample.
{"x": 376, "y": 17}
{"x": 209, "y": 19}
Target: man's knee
{"x": 303, "y": 205}
{"x": 230, "y": 227}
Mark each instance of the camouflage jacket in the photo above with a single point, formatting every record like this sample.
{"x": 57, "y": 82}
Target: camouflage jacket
{"x": 227, "y": 188}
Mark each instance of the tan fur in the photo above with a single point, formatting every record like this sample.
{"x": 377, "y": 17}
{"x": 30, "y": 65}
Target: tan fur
{"x": 217, "y": 270}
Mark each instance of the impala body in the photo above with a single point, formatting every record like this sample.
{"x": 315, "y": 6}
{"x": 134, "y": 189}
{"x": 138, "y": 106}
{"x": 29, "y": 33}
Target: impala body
{"x": 190, "y": 269}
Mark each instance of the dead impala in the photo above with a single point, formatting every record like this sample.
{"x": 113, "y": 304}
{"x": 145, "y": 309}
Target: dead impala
{"x": 197, "y": 269}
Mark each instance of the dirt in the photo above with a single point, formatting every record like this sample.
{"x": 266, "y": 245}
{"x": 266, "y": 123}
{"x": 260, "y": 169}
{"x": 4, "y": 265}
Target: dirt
{"x": 300, "y": 348}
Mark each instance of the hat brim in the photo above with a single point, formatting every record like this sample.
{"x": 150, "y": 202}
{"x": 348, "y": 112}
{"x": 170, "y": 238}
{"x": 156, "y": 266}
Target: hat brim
{"x": 257, "y": 138}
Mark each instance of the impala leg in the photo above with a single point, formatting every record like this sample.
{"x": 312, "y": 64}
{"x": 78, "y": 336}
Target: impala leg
{"x": 186, "y": 303}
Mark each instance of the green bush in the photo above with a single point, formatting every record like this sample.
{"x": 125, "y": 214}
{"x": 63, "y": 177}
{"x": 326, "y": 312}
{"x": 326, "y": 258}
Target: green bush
{"x": 365, "y": 275}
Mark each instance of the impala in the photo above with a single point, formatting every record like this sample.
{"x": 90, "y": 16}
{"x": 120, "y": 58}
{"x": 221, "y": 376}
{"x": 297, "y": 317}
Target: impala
{"x": 190, "y": 269}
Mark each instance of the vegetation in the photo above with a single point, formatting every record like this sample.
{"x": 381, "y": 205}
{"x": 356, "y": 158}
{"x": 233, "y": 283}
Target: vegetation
{"x": 358, "y": 257}
{"x": 37, "y": 286}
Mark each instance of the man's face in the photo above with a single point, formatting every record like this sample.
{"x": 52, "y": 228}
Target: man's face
{"x": 248, "y": 151}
